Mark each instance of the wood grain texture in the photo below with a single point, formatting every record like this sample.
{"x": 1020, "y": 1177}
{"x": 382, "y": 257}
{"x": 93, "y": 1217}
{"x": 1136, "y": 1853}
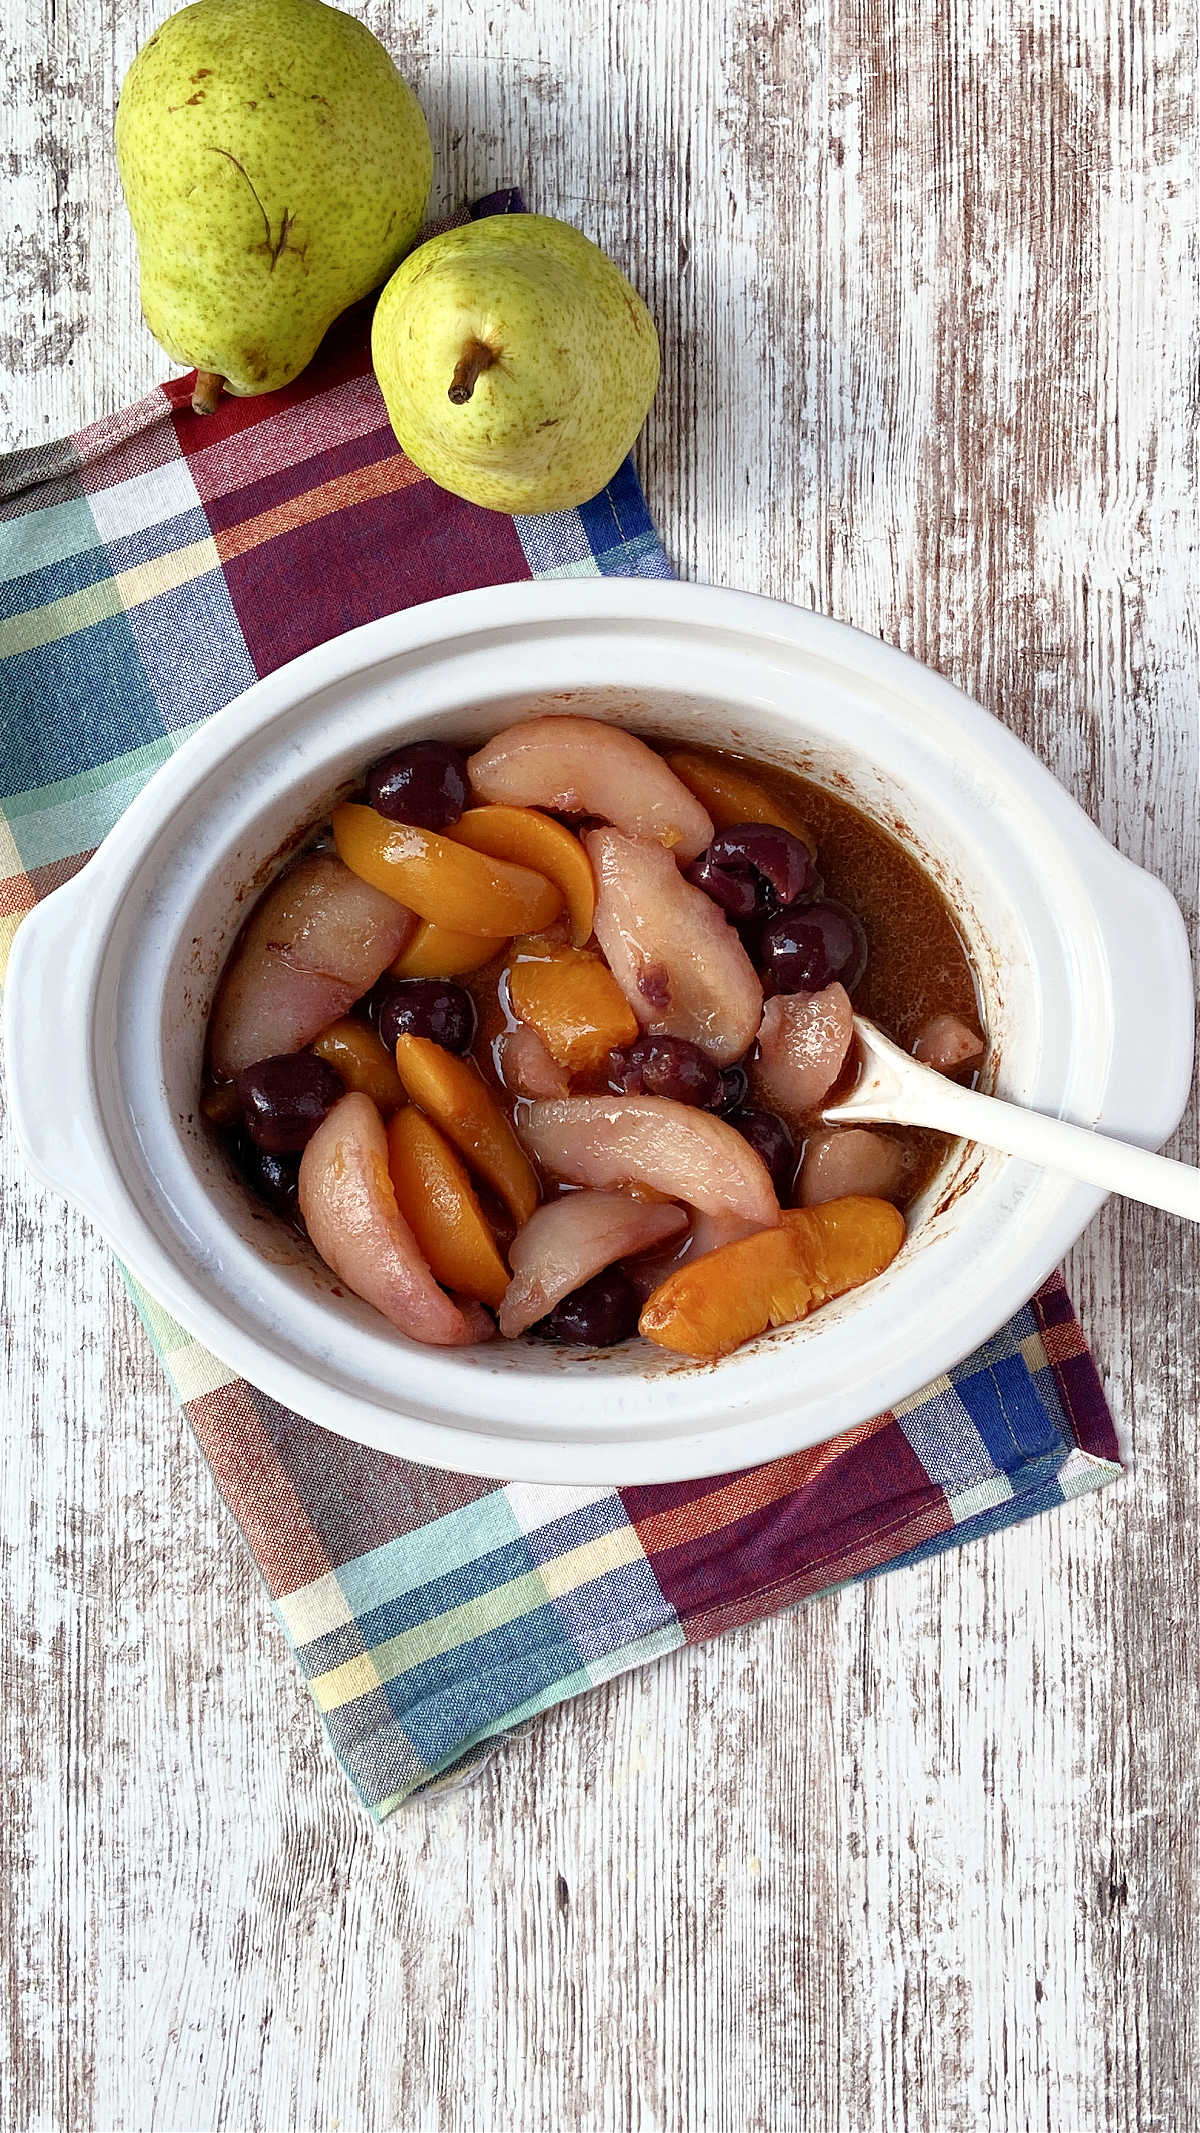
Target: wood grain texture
{"x": 922, "y": 1855}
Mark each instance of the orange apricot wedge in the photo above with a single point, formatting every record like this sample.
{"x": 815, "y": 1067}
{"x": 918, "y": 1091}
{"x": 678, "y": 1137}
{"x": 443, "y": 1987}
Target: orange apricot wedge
{"x": 438, "y": 1201}
{"x": 709, "y": 1306}
{"x": 731, "y": 797}
{"x": 443, "y": 952}
{"x": 531, "y": 839}
{"x": 441, "y": 879}
{"x": 575, "y": 1004}
{"x": 454, "y": 1095}
{"x": 363, "y": 1061}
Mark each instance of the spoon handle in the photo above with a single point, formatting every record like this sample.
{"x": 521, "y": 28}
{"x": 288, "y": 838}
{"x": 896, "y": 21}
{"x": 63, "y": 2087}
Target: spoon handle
{"x": 926, "y": 1099}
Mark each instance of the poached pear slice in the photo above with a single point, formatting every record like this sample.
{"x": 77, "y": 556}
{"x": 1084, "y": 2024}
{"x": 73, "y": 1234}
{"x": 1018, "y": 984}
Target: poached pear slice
{"x": 314, "y": 944}
{"x": 611, "y": 1142}
{"x": 349, "y": 1206}
{"x": 585, "y": 766}
{"x": 803, "y": 1040}
{"x": 568, "y": 1240}
{"x": 674, "y": 955}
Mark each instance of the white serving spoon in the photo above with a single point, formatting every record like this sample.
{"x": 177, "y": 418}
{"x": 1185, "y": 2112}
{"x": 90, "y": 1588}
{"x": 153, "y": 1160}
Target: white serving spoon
{"x": 894, "y": 1090}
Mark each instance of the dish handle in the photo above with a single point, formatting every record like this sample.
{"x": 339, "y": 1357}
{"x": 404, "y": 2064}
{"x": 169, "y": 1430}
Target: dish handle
{"x": 1153, "y": 1013}
{"x": 47, "y": 1047}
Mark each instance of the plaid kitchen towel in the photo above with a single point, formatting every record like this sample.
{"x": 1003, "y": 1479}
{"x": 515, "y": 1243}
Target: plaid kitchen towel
{"x": 151, "y": 568}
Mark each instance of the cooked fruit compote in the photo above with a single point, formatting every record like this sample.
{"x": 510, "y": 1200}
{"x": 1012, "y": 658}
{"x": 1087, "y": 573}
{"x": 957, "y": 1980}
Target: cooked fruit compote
{"x": 538, "y": 1039}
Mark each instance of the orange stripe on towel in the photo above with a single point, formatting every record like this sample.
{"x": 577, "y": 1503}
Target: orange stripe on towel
{"x": 384, "y": 478}
{"x": 749, "y": 1492}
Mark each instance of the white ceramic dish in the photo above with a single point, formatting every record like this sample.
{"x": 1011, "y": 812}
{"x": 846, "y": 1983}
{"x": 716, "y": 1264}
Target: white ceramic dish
{"x": 1082, "y": 958}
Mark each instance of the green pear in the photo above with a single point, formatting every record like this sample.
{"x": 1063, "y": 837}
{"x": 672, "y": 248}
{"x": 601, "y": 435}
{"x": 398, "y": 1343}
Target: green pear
{"x": 516, "y": 361}
{"x": 276, "y": 166}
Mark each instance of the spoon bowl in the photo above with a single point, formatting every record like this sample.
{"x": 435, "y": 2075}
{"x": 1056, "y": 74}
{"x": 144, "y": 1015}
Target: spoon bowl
{"x": 893, "y": 1089}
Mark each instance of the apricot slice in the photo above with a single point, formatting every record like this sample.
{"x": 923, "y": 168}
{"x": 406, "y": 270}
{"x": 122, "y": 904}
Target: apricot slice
{"x": 313, "y": 945}
{"x": 710, "y": 1306}
{"x": 583, "y": 766}
{"x": 731, "y": 797}
{"x": 440, "y": 879}
{"x": 652, "y": 1141}
{"x": 355, "y": 1052}
{"x": 674, "y": 955}
{"x": 570, "y": 1239}
{"x": 534, "y": 840}
{"x": 457, "y": 1099}
{"x": 443, "y": 952}
{"x": 349, "y": 1207}
{"x": 437, "y": 1200}
{"x": 576, "y": 1006}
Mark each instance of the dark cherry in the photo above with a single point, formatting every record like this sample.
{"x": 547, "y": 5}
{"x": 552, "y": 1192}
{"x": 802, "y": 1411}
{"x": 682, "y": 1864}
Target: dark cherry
{"x": 754, "y": 870}
{"x": 425, "y": 783}
{"x": 273, "y": 1179}
{"x": 817, "y": 945}
{"x": 598, "y": 1315}
{"x": 284, "y": 1100}
{"x": 770, "y": 1138}
{"x": 735, "y": 1087}
{"x": 666, "y": 1066}
{"x": 424, "y": 1007}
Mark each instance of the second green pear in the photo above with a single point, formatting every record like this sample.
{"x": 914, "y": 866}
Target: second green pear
{"x": 517, "y": 362}
{"x": 276, "y": 167}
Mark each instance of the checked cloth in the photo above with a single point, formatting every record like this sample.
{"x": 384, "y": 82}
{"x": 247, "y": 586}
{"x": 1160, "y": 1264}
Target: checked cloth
{"x": 151, "y": 568}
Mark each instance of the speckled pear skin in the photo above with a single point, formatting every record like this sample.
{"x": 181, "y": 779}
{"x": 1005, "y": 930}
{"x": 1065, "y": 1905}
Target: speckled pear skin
{"x": 575, "y": 362}
{"x": 276, "y": 166}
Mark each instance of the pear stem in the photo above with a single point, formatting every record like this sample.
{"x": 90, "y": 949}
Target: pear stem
{"x": 474, "y": 360}
{"x": 206, "y": 392}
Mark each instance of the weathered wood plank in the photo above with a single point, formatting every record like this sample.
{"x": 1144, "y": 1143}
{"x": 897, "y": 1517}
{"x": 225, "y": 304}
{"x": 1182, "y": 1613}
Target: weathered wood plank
{"x": 921, "y": 1855}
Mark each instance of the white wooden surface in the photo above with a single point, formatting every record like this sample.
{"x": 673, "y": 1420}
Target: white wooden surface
{"x": 921, "y": 1856}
